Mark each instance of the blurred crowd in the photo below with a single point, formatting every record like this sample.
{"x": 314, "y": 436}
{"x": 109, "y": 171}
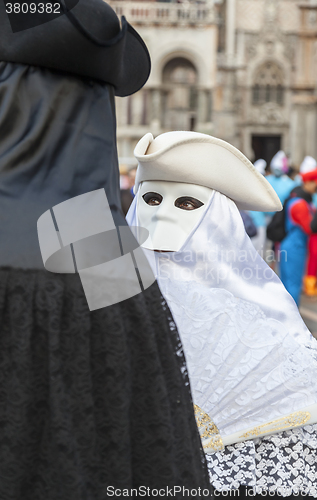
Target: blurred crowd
{"x": 288, "y": 239}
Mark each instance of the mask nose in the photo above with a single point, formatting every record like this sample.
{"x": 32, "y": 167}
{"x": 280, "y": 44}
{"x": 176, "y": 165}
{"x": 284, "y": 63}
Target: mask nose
{"x": 164, "y": 214}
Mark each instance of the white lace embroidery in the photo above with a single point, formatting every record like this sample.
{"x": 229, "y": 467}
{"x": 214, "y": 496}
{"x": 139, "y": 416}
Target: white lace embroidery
{"x": 285, "y": 463}
{"x": 245, "y": 368}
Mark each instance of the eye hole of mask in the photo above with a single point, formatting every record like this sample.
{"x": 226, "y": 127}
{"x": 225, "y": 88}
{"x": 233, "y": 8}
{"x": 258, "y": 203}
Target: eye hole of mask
{"x": 188, "y": 203}
{"x": 152, "y": 199}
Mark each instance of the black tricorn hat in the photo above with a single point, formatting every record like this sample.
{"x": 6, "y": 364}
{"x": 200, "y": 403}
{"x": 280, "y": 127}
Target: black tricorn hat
{"x": 84, "y": 39}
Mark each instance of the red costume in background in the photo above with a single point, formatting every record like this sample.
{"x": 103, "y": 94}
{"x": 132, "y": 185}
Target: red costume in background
{"x": 312, "y": 257}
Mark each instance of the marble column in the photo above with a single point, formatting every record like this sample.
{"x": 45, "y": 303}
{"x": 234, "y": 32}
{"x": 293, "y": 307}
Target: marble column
{"x": 230, "y": 30}
{"x": 156, "y": 108}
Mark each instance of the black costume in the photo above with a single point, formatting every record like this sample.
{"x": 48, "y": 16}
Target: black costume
{"x": 87, "y": 399}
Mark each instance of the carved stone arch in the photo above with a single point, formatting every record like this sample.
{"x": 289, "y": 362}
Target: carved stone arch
{"x": 179, "y": 93}
{"x": 268, "y": 83}
{"x": 192, "y": 56}
{"x": 180, "y": 70}
{"x": 269, "y": 72}
{"x": 257, "y": 62}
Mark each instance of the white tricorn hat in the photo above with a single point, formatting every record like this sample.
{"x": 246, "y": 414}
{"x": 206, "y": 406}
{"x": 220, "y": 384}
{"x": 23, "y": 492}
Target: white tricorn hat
{"x": 201, "y": 159}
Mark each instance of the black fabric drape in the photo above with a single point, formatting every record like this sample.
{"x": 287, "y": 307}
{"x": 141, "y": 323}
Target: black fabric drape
{"x": 57, "y": 141}
{"x": 88, "y": 400}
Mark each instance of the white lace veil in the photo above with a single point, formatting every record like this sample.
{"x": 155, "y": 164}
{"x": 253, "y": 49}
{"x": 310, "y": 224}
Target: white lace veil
{"x": 250, "y": 356}
{"x": 219, "y": 254}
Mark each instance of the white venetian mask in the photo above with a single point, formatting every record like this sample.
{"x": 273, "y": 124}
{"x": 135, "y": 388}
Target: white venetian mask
{"x": 170, "y": 211}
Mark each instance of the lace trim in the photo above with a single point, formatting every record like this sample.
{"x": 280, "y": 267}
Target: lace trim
{"x": 284, "y": 463}
{"x": 239, "y": 361}
{"x": 294, "y": 420}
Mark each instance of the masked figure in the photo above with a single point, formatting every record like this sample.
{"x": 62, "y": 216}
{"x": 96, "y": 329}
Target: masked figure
{"x": 278, "y": 179}
{"x": 310, "y": 279}
{"x": 88, "y": 400}
{"x": 252, "y": 362}
{"x": 299, "y": 244}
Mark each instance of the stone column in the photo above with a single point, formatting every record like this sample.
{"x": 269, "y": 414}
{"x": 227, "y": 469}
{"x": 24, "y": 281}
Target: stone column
{"x": 156, "y": 108}
{"x": 230, "y": 30}
{"x": 202, "y": 105}
{"x": 304, "y": 99}
{"x": 303, "y": 127}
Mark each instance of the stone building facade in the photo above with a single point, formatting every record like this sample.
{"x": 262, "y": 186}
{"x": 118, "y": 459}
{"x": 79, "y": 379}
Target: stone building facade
{"x": 266, "y": 96}
{"x": 242, "y": 70}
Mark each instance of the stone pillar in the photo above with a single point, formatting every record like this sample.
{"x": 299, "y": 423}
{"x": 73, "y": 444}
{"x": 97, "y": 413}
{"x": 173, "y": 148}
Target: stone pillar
{"x": 137, "y": 108}
{"x": 202, "y": 107}
{"x": 304, "y": 99}
{"x": 230, "y": 30}
{"x": 306, "y": 46}
{"x": 303, "y": 127}
{"x": 156, "y": 109}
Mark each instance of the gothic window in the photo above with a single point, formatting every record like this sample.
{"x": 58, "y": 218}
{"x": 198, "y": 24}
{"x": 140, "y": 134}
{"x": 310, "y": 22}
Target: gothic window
{"x": 180, "y": 94}
{"x": 268, "y": 85}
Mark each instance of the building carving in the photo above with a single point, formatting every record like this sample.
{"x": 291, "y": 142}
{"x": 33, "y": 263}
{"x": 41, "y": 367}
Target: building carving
{"x": 243, "y": 70}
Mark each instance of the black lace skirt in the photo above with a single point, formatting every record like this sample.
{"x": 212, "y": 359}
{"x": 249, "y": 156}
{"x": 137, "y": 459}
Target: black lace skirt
{"x": 91, "y": 401}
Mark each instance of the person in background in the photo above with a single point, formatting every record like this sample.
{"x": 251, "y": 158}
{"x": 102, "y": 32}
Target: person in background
{"x": 300, "y": 223}
{"x": 282, "y": 185}
{"x": 260, "y": 165}
{"x": 293, "y": 173}
{"x": 259, "y": 217}
{"x": 309, "y": 164}
{"x": 278, "y": 179}
{"x": 249, "y": 226}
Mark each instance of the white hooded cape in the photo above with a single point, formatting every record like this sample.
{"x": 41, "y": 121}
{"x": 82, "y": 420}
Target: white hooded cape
{"x": 250, "y": 357}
